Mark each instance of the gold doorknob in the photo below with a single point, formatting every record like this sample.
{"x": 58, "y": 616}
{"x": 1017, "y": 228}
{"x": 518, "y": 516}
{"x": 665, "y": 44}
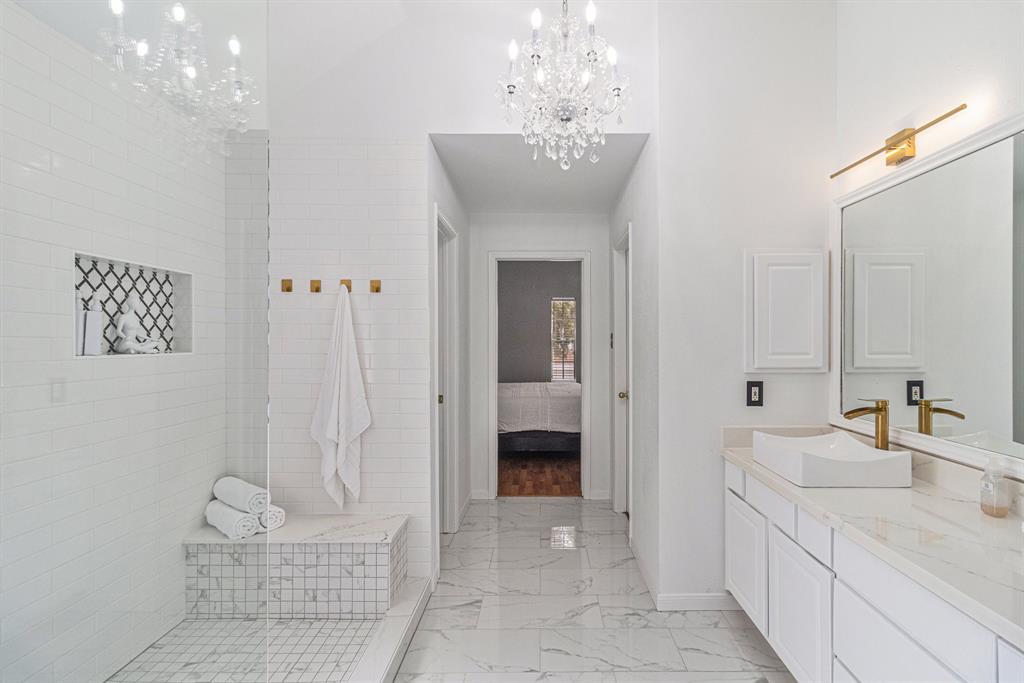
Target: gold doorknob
{"x": 624, "y": 395}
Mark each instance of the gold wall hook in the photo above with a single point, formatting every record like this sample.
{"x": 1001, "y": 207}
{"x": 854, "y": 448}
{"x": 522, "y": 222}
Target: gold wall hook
{"x": 375, "y": 286}
{"x": 286, "y": 285}
{"x": 314, "y": 286}
{"x": 347, "y": 284}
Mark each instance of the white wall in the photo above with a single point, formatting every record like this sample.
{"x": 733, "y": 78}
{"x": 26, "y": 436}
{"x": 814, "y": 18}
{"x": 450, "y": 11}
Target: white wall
{"x": 747, "y": 113}
{"x": 539, "y": 232}
{"x": 247, "y": 233}
{"x": 639, "y": 205}
{"x": 99, "y": 487}
{"x": 929, "y": 57}
{"x": 441, "y": 191}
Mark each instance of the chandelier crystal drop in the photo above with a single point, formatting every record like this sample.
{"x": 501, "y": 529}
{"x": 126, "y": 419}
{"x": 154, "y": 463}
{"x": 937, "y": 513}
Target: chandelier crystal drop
{"x": 563, "y": 85}
{"x": 172, "y": 77}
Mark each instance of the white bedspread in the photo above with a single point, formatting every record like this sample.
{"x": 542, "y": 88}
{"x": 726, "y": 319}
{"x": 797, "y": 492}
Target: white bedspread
{"x": 539, "y": 406}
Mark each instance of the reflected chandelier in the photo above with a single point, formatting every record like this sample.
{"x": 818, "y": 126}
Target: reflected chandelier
{"x": 176, "y": 75}
{"x": 563, "y": 85}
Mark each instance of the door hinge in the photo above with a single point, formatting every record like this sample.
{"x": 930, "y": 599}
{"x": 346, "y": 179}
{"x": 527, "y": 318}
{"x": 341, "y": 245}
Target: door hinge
{"x": 440, "y": 398}
{"x": 612, "y": 340}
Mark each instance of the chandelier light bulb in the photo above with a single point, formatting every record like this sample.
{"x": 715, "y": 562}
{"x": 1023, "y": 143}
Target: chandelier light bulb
{"x": 178, "y": 12}
{"x": 190, "y": 71}
{"x": 117, "y": 7}
{"x": 539, "y": 75}
{"x": 613, "y": 56}
{"x": 591, "y": 12}
{"x": 585, "y": 78}
{"x": 141, "y": 48}
{"x": 536, "y": 19}
{"x": 513, "y": 51}
{"x": 235, "y": 46}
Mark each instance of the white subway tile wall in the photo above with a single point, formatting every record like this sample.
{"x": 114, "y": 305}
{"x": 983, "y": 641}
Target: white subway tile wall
{"x": 105, "y": 463}
{"x": 356, "y": 210}
{"x": 247, "y": 237}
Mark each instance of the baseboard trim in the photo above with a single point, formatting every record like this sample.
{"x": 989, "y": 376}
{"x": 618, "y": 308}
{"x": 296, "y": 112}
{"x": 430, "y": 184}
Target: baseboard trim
{"x": 463, "y": 511}
{"x": 600, "y": 494}
{"x": 481, "y": 494}
{"x": 677, "y": 602}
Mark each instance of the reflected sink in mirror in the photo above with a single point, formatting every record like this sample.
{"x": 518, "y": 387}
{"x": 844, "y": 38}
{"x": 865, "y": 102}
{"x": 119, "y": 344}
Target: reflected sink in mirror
{"x": 832, "y": 460}
{"x": 990, "y": 441}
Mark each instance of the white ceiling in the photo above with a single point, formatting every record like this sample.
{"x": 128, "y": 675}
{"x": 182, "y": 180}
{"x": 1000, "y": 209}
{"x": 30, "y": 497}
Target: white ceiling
{"x": 497, "y": 173}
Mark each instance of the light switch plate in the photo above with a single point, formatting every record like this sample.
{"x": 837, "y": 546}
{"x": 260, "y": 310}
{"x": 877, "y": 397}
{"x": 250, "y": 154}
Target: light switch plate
{"x": 755, "y": 394}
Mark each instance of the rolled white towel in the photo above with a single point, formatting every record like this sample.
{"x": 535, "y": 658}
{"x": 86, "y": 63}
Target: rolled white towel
{"x": 242, "y": 495}
{"x": 272, "y": 519}
{"x": 233, "y": 523}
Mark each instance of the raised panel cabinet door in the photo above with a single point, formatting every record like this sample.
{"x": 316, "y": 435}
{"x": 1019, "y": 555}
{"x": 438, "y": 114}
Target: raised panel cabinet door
{"x": 799, "y": 609}
{"x": 746, "y": 559}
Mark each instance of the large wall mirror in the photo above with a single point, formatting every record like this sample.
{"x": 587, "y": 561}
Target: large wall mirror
{"x": 933, "y": 293}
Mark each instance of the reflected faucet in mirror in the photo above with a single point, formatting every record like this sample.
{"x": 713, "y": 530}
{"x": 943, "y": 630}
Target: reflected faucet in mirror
{"x": 926, "y": 411}
{"x": 881, "y": 412}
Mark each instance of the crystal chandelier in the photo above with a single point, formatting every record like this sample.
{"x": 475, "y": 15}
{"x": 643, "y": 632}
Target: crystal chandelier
{"x": 563, "y": 85}
{"x": 175, "y": 79}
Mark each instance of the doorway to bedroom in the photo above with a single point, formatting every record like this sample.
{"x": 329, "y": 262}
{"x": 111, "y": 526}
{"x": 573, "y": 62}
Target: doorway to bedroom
{"x": 539, "y": 377}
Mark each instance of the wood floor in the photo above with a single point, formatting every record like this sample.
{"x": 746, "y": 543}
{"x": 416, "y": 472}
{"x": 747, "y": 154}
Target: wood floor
{"x": 539, "y": 474}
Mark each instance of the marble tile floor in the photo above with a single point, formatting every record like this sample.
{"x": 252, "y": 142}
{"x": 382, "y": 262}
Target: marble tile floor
{"x": 547, "y": 589}
{"x": 252, "y": 651}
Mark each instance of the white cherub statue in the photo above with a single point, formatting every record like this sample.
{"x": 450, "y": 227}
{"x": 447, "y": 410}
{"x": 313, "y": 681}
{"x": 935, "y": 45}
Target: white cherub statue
{"x": 131, "y": 335}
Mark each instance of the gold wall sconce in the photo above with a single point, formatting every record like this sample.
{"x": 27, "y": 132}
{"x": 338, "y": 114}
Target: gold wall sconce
{"x": 347, "y": 284}
{"x": 314, "y": 286}
{"x": 286, "y": 285}
{"x": 375, "y": 286}
{"x": 901, "y": 146}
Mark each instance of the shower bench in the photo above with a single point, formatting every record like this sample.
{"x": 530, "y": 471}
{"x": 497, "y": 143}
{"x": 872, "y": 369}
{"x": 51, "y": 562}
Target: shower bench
{"x": 315, "y": 566}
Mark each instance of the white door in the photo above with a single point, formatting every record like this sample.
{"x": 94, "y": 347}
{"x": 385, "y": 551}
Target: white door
{"x": 622, "y": 413}
{"x": 446, "y": 366}
{"x": 442, "y": 380}
{"x": 799, "y": 609}
{"x": 746, "y": 559}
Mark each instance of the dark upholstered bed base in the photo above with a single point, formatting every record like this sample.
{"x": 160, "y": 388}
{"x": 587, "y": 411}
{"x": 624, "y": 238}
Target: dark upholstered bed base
{"x": 539, "y": 441}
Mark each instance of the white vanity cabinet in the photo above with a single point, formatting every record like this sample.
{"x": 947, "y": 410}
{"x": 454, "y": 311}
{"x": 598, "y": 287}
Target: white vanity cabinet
{"x": 746, "y": 558}
{"x": 799, "y": 609}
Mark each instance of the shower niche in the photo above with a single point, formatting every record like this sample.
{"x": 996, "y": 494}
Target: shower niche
{"x": 156, "y": 303}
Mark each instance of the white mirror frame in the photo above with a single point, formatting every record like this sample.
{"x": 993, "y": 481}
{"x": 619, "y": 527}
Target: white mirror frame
{"x": 947, "y": 450}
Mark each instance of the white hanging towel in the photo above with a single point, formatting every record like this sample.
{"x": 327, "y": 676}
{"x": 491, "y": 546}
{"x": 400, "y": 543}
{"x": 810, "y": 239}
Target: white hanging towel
{"x": 342, "y": 413}
{"x": 233, "y": 523}
{"x": 241, "y": 495}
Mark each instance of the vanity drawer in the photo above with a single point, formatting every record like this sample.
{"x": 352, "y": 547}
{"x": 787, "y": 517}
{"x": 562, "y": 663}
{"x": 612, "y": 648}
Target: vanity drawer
{"x": 815, "y": 537}
{"x": 734, "y": 478}
{"x": 874, "y": 650}
{"x": 1011, "y": 663}
{"x": 780, "y": 511}
{"x": 958, "y": 641}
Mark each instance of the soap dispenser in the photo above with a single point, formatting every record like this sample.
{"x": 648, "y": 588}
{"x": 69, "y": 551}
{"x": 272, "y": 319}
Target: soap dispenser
{"x": 996, "y": 496}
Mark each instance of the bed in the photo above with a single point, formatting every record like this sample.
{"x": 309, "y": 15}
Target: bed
{"x": 539, "y": 416}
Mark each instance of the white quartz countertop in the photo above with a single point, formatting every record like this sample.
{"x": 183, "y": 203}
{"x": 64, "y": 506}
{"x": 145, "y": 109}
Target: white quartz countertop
{"x": 937, "y": 538}
{"x": 316, "y": 529}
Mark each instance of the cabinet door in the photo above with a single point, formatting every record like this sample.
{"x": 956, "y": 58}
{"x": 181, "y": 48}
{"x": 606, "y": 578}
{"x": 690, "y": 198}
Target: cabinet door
{"x": 799, "y": 609}
{"x": 746, "y": 559}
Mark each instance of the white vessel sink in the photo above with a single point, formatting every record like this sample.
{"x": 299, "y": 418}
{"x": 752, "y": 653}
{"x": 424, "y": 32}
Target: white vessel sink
{"x": 834, "y": 460}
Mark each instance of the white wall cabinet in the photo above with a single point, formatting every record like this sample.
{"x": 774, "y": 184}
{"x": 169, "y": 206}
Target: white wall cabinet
{"x": 799, "y": 609}
{"x": 746, "y": 559}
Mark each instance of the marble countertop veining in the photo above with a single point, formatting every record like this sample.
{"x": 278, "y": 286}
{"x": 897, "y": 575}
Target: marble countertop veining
{"x": 938, "y": 538}
{"x": 340, "y": 528}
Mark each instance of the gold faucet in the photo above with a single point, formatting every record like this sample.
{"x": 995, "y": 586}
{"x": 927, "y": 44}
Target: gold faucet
{"x": 881, "y": 412}
{"x": 925, "y": 411}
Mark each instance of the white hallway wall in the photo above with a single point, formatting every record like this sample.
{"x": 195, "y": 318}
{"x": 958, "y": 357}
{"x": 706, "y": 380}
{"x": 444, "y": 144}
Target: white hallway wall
{"x": 99, "y": 489}
{"x": 352, "y": 111}
{"x": 539, "y": 232}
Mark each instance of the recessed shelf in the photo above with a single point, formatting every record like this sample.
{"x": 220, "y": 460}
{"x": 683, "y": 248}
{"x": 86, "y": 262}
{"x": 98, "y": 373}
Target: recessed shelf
{"x": 164, "y": 313}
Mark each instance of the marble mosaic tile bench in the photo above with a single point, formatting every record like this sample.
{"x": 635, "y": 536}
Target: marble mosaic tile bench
{"x": 315, "y": 566}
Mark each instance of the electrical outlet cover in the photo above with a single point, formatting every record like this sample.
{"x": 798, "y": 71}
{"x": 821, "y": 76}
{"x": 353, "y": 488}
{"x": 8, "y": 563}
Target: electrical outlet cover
{"x": 755, "y": 394}
{"x": 915, "y": 391}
